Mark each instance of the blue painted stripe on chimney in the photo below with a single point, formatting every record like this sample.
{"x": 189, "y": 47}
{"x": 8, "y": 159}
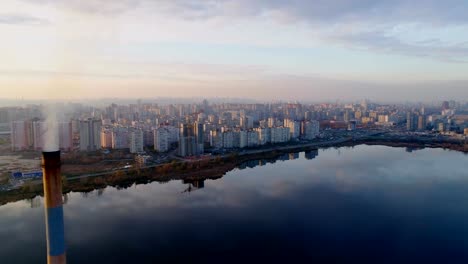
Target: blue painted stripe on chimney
{"x": 56, "y": 231}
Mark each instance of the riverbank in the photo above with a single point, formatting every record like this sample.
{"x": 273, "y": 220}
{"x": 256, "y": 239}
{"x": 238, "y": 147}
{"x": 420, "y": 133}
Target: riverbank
{"x": 208, "y": 169}
{"x": 203, "y": 169}
{"x": 412, "y": 143}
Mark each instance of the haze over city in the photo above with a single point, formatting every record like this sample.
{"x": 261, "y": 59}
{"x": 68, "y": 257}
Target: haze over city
{"x": 233, "y": 131}
{"x": 266, "y": 50}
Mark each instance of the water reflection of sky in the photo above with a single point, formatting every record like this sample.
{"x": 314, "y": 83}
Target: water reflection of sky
{"x": 367, "y": 203}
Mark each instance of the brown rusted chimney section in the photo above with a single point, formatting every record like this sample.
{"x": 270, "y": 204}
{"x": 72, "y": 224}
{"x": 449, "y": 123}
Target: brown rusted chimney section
{"x": 52, "y": 181}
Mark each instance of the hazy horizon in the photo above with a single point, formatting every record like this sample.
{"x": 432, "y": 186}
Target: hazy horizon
{"x": 9, "y": 102}
{"x": 265, "y": 50}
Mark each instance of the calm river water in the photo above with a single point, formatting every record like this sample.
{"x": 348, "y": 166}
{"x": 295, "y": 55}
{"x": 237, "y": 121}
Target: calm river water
{"x": 367, "y": 204}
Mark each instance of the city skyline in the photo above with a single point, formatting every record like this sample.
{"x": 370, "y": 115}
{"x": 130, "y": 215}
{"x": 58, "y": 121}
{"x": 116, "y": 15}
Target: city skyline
{"x": 265, "y": 50}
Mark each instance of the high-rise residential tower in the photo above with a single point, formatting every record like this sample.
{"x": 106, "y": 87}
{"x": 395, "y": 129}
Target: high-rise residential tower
{"x": 90, "y": 134}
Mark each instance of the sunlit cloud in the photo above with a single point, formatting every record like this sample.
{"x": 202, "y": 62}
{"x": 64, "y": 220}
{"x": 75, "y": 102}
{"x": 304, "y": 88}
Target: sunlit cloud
{"x": 19, "y": 19}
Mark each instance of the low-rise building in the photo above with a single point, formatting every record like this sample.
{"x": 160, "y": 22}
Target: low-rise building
{"x": 143, "y": 159}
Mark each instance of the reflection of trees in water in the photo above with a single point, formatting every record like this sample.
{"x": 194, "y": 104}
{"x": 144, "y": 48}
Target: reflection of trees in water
{"x": 100, "y": 191}
{"x": 312, "y": 154}
{"x": 309, "y": 155}
{"x": 411, "y": 149}
{"x": 65, "y": 198}
{"x": 193, "y": 185}
{"x": 200, "y": 170}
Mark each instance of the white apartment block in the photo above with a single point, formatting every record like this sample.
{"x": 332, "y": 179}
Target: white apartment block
{"x": 252, "y": 139}
{"x": 21, "y": 135}
{"x": 216, "y": 139}
{"x": 106, "y": 138}
{"x": 243, "y": 139}
{"x": 136, "y": 141}
{"x": 294, "y": 127}
{"x": 228, "y": 139}
{"x": 161, "y": 139}
{"x": 310, "y": 129}
{"x": 90, "y": 134}
{"x": 264, "y": 135}
{"x": 39, "y": 131}
{"x": 280, "y": 134}
{"x": 65, "y": 136}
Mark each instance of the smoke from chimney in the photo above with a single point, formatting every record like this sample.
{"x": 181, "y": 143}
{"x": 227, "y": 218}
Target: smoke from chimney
{"x": 51, "y": 137}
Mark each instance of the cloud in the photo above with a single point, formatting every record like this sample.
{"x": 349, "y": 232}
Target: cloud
{"x": 317, "y": 11}
{"x": 379, "y": 26}
{"x": 91, "y": 6}
{"x": 381, "y": 42}
{"x": 364, "y": 24}
{"x": 323, "y": 11}
{"x": 20, "y": 19}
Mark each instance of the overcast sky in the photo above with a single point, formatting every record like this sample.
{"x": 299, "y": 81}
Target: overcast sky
{"x": 263, "y": 49}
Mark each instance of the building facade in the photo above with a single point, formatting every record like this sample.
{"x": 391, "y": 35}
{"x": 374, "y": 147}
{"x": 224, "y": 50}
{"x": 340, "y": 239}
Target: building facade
{"x": 21, "y": 135}
{"x": 161, "y": 139}
{"x": 90, "y": 135}
{"x": 136, "y": 141}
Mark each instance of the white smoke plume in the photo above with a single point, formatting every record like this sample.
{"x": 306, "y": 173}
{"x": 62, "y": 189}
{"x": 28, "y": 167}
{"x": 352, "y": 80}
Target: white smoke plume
{"x": 51, "y": 134}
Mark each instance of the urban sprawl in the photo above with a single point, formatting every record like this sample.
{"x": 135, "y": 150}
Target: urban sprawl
{"x": 190, "y": 130}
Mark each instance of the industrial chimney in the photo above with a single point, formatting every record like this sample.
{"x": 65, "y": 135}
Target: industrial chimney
{"x": 52, "y": 181}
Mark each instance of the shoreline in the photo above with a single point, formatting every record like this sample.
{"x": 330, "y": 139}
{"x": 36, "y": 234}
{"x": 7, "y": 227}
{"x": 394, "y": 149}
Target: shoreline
{"x": 193, "y": 170}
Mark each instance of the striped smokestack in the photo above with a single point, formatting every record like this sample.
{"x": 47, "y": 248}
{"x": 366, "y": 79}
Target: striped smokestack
{"x": 52, "y": 181}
